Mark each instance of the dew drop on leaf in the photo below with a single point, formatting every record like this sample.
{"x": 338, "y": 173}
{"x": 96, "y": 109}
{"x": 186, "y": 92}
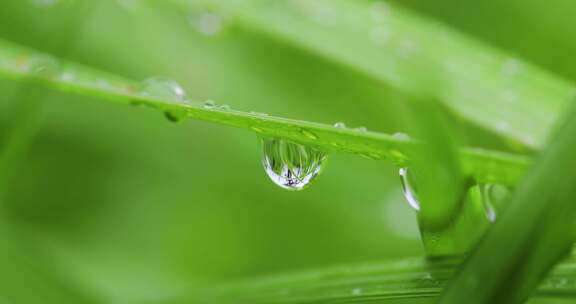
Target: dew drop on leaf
{"x": 401, "y": 136}
{"x": 340, "y": 125}
{"x": 163, "y": 88}
{"x": 43, "y": 66}
{"x": 166, "y": 89}
{"x": 209, "y": 104}
{"x": 291, "y": 165}
{"x": 361, "y": 129}
{"x": 408, "y": 190}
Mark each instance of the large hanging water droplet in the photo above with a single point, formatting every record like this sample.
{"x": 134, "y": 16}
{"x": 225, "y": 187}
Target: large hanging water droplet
{"x": 408, "y": 190}
{"x": 492, "y": 196}
{"x": 290, "y": 165}
{"x": 166, "y": 89}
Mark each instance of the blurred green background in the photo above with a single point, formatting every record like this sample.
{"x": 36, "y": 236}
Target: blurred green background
{"x": 128, "y": 206}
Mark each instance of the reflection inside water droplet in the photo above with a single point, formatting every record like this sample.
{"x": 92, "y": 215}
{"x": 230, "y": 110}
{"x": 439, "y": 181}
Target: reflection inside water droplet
{"x": 408, "y": 190}
{"x": 290, "y": 165}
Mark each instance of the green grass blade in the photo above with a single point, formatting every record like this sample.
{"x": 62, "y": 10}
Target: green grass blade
{"x": 483, "y": 165}
{"x": 407, "y": 281}
{"x": 450, "y": 220}
{"x": 484, "y": 85}
{"x": 535, "y": 230}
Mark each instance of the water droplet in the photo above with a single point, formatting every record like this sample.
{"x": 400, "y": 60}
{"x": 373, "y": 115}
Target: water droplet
{"x": 43, "y": 66}
{"x": 166, "y": 89}
{"x": 492, "y": 196}
{"x": 361, "y": 129}
{"x": 340, "y": 125}
{"x": 224, "y": 107}
{"x": 290, "y": 165}
{"x": 258, "y": 113}
{"x": 308, "y": 134}
{"x": 163, "y": 88}
{"x": 401, "y": 136}
{"x": 209, "y": 104}
{"x": 173, "y": 116}
{"x": 206, "y": 23}
{"x": 407, "y": 189}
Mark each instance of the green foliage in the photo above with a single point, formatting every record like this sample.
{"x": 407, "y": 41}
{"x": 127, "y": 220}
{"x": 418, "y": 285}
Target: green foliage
{"x": 133, "y": 208}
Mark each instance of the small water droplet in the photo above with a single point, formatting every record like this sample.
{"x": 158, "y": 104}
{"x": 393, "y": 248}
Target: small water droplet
{"x": 308, "y": 134}
{"x": 209, "y": 104}
{"x": 408, "y": 190}
{"x": 492, "y": 196}
{"x": 340, "y": 125}
{"x": 357, "y": 291}
{"x": 43, "y": 66}
{"x": 291, "y": 165}
{"x": 224, "y": 107}
{"x": 401, "y": 136}
{"x": 206, "y": 23}
{"x": 171, "y": 116}
{"x": 361, "y": 129}
{"x": 258, "y": 113}
{"x": 163, "y": 88}
{"x": 166, "y": 89}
